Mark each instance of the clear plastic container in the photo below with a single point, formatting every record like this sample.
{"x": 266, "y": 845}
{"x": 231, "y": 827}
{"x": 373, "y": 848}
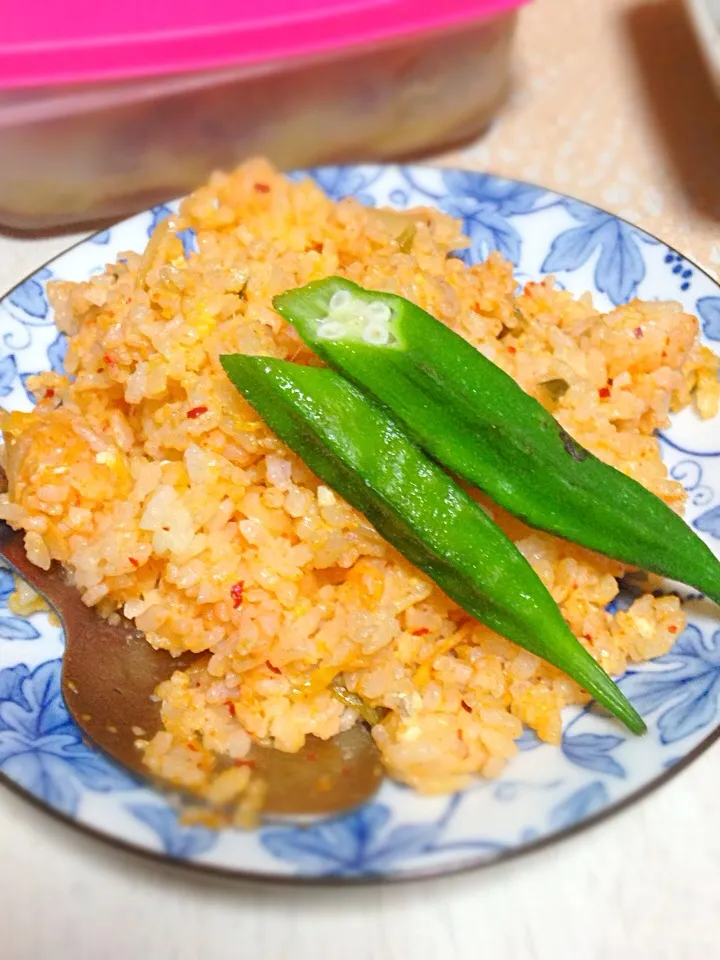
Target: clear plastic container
{"x": 115, "y": 135}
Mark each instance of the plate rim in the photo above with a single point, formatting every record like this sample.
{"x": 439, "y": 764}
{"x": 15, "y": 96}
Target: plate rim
{"x": 416, "y": 874}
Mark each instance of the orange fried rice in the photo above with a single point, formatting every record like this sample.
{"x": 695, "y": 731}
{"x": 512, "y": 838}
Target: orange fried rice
{"x": 168, "y": 499}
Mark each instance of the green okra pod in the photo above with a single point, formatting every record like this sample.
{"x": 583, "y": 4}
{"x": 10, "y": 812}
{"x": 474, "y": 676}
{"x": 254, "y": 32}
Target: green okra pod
{"x": 357, "y": 448}
{"x": 473, "y": 418}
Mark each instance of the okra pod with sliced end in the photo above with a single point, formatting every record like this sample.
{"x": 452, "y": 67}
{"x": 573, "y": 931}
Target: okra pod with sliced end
{"x": 360, "y": 451}
{"x": 472, "y": 417}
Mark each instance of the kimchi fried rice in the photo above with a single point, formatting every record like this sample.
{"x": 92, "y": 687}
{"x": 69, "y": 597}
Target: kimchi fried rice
{"x": 147, "y": 475}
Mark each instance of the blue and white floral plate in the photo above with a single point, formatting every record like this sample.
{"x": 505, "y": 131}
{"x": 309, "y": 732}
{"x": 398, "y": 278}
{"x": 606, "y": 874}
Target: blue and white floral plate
{"x": 546, "y": 792}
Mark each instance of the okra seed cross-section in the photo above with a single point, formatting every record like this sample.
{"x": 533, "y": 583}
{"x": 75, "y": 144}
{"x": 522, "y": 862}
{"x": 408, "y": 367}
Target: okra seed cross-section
{"x": 350, "y": 318}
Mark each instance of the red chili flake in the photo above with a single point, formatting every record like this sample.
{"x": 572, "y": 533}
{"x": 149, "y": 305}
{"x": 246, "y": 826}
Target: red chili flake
{"x": 312, "y": 756}
{"x": 638, "y": 333}
{"x": 195, "y": 413}
{"x": 49, "y": 393}
{"x": 109, "y": 360}
{"x": 460, "y": 735}
{"x": 466, "y": 706}
{"x": 587, "y": 636}
{"x": 134, "y": 562}
{"x": 317, "y": 247}
{"x": 191, "y": 746}
{"x": 512, "y": 349}
{"x": 672, "y": 629}
{"x": 262, "y": 188}
{"x": 236, "y": 592}
{"x": 272, "y": 668}
{"x": 420, "y": 632}
{"x": 604, "y": 393}
{"x": 244, "y": 763}
{"x": 231, "y": 707}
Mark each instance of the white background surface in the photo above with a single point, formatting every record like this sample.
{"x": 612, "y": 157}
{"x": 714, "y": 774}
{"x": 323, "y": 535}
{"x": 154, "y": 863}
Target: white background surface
{"x": 644, "y": 885}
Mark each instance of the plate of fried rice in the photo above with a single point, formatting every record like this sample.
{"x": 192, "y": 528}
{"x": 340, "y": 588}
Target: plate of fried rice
{"x": 139, "y": 468}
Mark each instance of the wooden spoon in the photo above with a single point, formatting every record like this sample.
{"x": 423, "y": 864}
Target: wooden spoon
{"x": 110, "y": 673}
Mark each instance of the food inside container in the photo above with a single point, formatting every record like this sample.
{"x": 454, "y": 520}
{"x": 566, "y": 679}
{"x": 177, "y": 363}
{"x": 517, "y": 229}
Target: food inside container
{"x": 115, "y": 111}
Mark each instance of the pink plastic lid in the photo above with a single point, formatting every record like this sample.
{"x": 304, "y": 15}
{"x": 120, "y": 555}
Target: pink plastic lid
{"x": 47, "y": 42}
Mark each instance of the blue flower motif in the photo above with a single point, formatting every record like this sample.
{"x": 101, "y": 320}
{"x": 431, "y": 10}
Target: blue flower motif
{"x": 100, "y": 238}
{"x": 580, "y": 805}
{"x": 17, "y": 628}
{"x": 399, "y": 198}
{"x": 8, "y": 372}
{"x": 157, "y": 215}
{"x": 709, "y": 310}
{"x": 187, "y": 237}
{"x": 690, "y": 474}
{"x": 591, "y": 750}
{"x": 40, "y": 747}
{"x": 529, "y": 835}
{"x": 679, "y": 268}
{"x": 507, "y": 197}
{"x": 509, "y": 790}
{"x": 364, "y": 842}
{"x": 30, "y": 296}
{"x": 56, "y": 353}
{"x": 528, "y": 740}
{"x": 484, "y": 203}
{"x": 622, "y": 601}
{"x": 487, "y": 229}
{"x": 177, "y": 840}
{"x": 620, "y": 267}
{"x": 709, "y": 522}
{"x": 664, "y": 438}
{"x": 341, "y": 846}
{"x": 24, "y": 377}
{"x": 341, "y": 182}
{"x": 7, "y": 586}
{"x": 685, "y": 685}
